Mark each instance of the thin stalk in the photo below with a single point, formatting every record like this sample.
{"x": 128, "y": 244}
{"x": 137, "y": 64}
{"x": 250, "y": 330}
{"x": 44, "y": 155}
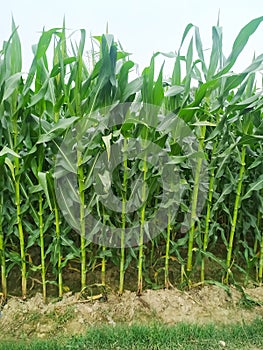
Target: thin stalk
{"x": 257, "y": 242}
{"x": 182, "y": 274}
{"x": 153, "y": 241}
{"x": 235, "y": 214}
{"x": 2, "y": 256}
{"x": 3, "y": 267}
{"x": 103, "y": 267}
{"x": 260, "y": 270}
{"x": 123, "y": 216}
{"x": 255, "y": 248}
{"x": 194, "y": 202}
{"x": 81, "y": 177}
{"x": 20, "y": 233}
{"x": 152, "y": 253}
{"x": 81, "y": 180}
{"x": 208, "y": 216}
{"x": 58, "y": 238}
{"x": 141, "y": 253}
{"x": 103, "y": 260}
{"x": 18, "y": 212}
{"x": 167, "y": 252}
{"x": 41, "y": 157}
{"x": 42, "y": 247}
{"x": 207, "y": 222}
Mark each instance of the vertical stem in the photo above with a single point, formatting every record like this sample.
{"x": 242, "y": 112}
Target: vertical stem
{"x": 141, "y": 254}
{"x": 153, "y": 241}
{"x": 21, "y": 237}
{"x": 194, "y": 202}
{"x": 2, "y": 254}
{"x": 260, "y": 268}
{"x": 18, "y": 212}
{"x": 103, "y": 267}
{"x": 81, "y": 176}
{"x": 123, "y": 216}
{"x": 167, "y": 252}
{"x": 152, "y": 253}
{"x": 58, "y": 238}
{"x": 208, "y": 215}
{"x": 207, "y": 223}
{"x": 182, "y": 274}
{"x": 255, "y": 248}
{"x": 82, "y": 221}
{"x": 42, "y": 247}
{"x": 103, "y": 261}
{"x": 257, "y": 242}
{"x": 235, "y": 214}
{"x": 260, "y": 271}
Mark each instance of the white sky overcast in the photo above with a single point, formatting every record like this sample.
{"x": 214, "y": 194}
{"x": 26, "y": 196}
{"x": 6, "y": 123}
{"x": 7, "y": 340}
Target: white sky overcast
{"x": 142, "y": 27}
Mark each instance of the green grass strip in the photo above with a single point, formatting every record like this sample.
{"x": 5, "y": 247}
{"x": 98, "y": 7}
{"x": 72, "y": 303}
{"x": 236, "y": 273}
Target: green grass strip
{"x": 154, "y": 337}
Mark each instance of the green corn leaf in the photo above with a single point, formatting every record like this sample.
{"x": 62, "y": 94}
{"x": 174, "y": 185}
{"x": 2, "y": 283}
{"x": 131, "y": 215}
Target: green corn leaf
{"x": 40, "y": 94}
{"x": 204, "y": 123}
{"x": 254, "y": 186}
{"x": 189, "y": 57}
{"x": 107, "y": 143}
{"x": 239, "y": 44}
{"x": 186, "y": 31}
{"x": 59, "y": 127}
{"x": 250, "y": 139}
{"x": 132, "y": 87}
{"x": 255, "y": 66}
{"x": 227, "y": 189}
{"x": 256, "y": 163}
{"x": 11, "y": 85}
{"x": 199, "y": 48}
{"x": 10, "y": 166}
{"x": 82, "y": 42}
{"x": 57, "y": 69}
{"x": 16, "y": 54}
{"x": 42, "y": 178}
{"x": 233, "y": 81}
{"x": 177, "y": 159}
{"x": 216, "y": 54}
{"x": 123, "y": 75}
{"x": 6, "y": 150}
{"x": 44, "y": 42}
{"x": 174, "y": 90}
{"x": 176, "y": 76}
{"x": 158, "y": 92}
{"x": 166, "y": 54}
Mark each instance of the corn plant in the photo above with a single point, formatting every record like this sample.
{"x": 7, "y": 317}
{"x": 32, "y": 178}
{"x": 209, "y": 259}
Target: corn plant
{"x": 66, "y": 104}
{"x": 6, "y": 165}
{"x": 12, "y": 102}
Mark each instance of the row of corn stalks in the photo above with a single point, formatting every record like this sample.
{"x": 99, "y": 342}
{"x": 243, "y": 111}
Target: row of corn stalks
{"x": 65, "y": 90}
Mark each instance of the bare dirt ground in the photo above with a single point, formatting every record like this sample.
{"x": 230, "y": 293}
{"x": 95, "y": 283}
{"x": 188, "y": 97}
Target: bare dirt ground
{"x": 74, "y": 314}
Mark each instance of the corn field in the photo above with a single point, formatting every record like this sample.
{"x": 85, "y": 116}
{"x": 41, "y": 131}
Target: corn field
{"x": 67, "y": 92}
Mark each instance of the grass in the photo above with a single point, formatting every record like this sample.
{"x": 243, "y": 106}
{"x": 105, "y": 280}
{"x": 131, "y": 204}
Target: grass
{"x": 180, "y": 336}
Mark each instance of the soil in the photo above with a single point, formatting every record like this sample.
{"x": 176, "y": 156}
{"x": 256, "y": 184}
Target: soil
{"x": 75, "y": 313}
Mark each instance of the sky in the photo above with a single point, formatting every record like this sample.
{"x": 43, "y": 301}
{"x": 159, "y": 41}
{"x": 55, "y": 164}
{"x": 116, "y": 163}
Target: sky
{"x": 143, "y": 27}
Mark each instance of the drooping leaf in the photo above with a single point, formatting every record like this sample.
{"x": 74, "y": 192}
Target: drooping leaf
{"x": 254, "y": 186}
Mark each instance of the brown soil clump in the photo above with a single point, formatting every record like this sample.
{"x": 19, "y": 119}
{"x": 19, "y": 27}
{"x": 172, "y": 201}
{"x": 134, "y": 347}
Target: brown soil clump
{"x": 75, "y": 315}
